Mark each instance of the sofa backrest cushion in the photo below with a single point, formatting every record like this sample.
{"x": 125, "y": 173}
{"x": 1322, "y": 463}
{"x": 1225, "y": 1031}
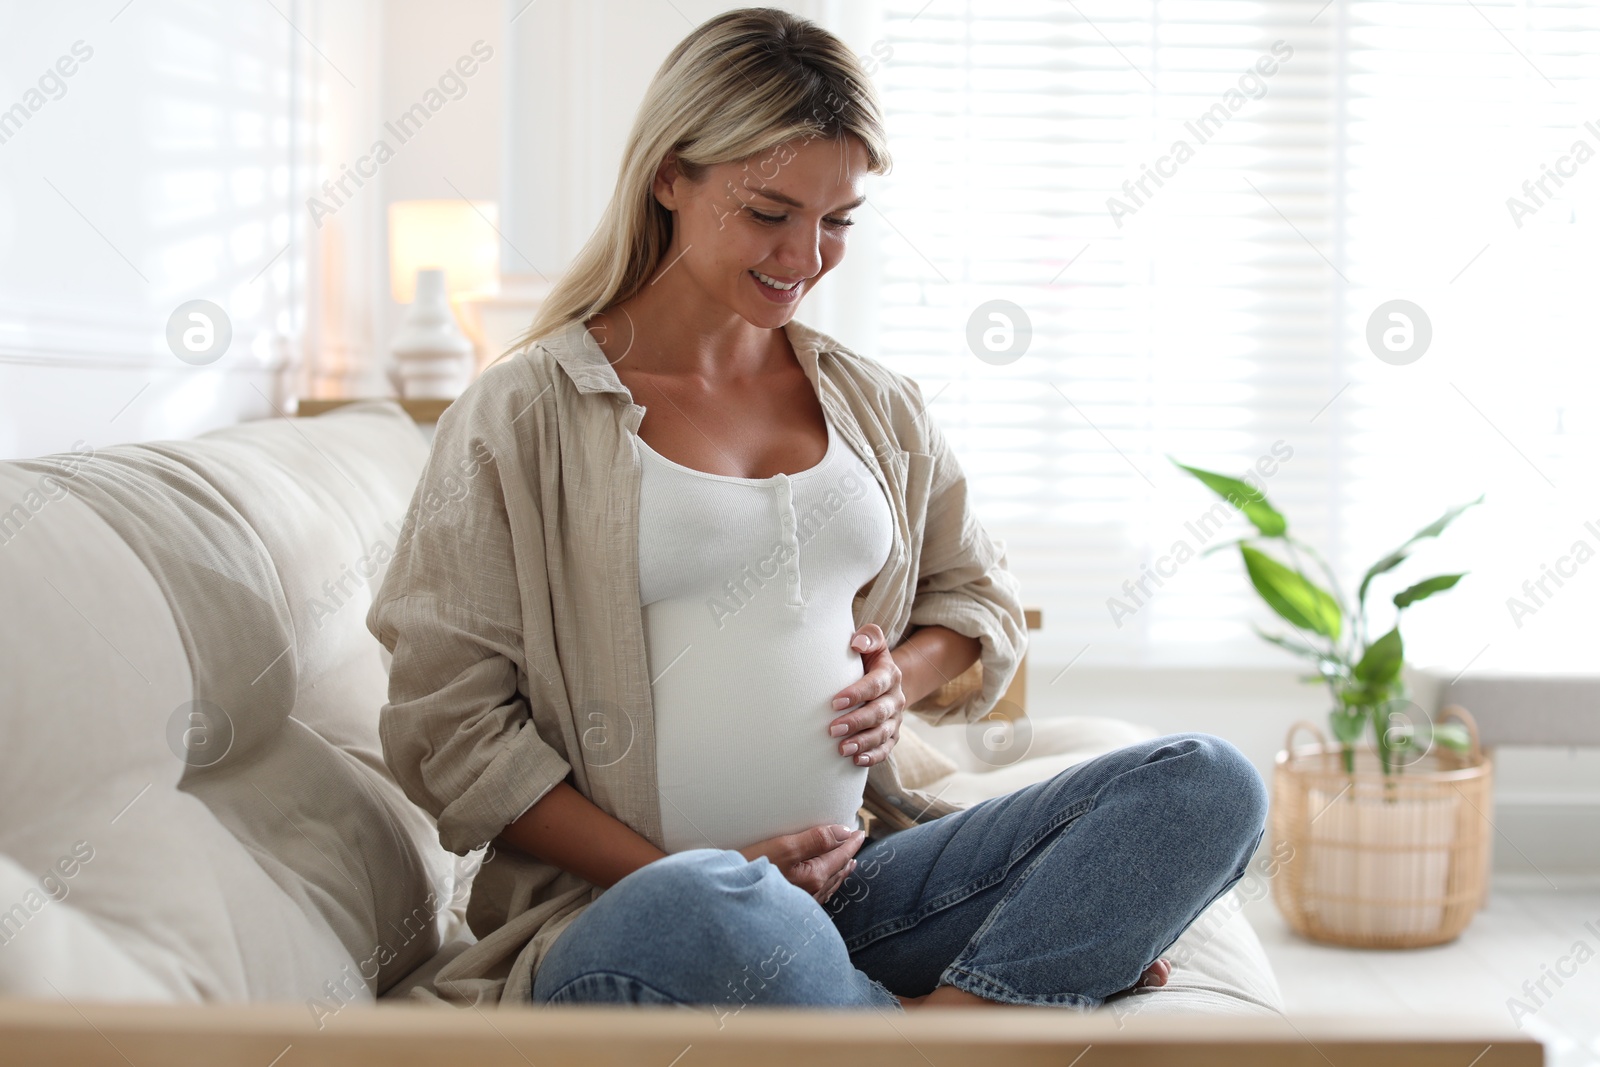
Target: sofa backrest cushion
{"x": 188, "y": 633}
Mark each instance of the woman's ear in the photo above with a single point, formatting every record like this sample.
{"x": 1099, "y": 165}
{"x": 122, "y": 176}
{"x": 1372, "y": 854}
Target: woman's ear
{"x": 664, "y": 187}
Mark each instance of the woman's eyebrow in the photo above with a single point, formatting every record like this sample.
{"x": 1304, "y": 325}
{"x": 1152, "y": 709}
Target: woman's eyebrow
{"x": 782, "y": 198}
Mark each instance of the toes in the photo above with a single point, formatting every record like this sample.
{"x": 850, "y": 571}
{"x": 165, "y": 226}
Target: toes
{"x": 1156, "y": 974}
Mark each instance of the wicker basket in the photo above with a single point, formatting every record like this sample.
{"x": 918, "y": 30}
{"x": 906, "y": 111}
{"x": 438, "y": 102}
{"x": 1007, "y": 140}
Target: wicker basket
{"x": 1381, "y": 861}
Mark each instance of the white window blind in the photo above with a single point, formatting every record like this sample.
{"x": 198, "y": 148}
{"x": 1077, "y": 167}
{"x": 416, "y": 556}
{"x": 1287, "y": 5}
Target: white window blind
{"x": 1198, "y": 206}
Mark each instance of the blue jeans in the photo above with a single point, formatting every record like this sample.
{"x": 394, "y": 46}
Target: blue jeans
{"x": 1060, "y": 893}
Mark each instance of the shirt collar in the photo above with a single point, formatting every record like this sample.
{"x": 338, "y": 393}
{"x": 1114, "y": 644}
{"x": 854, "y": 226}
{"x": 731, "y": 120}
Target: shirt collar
{"x": 576, "y": 350}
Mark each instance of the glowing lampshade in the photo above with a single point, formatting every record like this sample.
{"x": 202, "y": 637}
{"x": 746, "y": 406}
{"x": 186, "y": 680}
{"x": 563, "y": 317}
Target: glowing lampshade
{"x": 454, "y": 236}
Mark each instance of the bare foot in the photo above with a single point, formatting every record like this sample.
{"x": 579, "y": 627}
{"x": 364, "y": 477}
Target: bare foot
{"x": 948, "y": 996}
{"x": 1156, "y": 974}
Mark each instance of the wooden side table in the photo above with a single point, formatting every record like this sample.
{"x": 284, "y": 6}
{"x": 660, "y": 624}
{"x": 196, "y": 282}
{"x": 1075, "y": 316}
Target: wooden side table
{"x": 421, "y": 410}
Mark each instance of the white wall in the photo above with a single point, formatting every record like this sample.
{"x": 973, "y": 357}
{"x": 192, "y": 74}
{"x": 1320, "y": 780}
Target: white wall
{"x": 458, "y": 151}
{"x": 158, "y": 172}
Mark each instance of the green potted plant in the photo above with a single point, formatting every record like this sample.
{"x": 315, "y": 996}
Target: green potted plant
{"x": 1364, "y": 674}
{"x": 1373, "y": 863}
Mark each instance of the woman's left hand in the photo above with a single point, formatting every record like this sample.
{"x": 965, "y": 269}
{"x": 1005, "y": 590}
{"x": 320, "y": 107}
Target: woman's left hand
{"x": 865, "y": 734}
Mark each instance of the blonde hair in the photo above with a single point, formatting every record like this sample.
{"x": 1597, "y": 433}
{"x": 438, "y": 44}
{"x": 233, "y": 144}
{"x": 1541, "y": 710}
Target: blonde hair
{"x": 741, "y": 83}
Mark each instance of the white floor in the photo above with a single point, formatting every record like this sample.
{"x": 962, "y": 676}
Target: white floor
{"x": 1527, "y": 931}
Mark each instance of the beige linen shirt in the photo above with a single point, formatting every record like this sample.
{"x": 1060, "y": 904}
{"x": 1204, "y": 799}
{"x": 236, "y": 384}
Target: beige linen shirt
{"x": 511, "y": 612}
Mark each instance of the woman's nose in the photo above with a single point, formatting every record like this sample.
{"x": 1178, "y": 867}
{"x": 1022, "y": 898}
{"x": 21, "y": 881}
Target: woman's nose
{"x": 801, "y": 252}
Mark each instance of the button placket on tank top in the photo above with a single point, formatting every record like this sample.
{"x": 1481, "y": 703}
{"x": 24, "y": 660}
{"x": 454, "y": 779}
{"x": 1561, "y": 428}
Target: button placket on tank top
{"x": 787, "y": 523}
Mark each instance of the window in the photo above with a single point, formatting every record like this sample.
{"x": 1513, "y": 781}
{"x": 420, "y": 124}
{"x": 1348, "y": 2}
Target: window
{"x": 1197, "y": 208}
{"x": 149, "y": 156}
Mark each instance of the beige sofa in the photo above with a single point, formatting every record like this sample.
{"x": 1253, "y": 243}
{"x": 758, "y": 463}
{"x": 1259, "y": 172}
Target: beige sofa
{"x": 193, "y": 805}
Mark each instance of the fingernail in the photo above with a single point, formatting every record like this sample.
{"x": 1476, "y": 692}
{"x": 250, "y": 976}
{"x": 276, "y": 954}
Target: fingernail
{"x": 839, "y": 729}
{"x": 850, "y": 747}
{"x": 862, "y": 642}
{"x": 840, "y": 702}
{"x": 844, "y": 831}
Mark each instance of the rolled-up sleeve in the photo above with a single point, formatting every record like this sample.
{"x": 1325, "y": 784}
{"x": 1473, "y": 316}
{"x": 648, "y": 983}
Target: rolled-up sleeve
{"x": 964, "y": 582}
{"x": 458, "y": 732}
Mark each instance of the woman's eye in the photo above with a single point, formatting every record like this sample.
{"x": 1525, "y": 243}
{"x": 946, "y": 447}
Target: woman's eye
{"x": 773, "y": 220}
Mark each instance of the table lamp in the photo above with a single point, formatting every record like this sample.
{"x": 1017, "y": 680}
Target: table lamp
{"x": 439, "y": 251}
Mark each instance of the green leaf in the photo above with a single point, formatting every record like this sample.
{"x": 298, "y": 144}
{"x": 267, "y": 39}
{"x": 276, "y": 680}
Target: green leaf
{"x": 1291, "y": 595}
{"x": 1383, "y": 566}
{"x": 1330, "y": 669}
{"x": 1283, "y": 642}
{"x": 1408, "y": 739}
{"x": 1347, "y": 726}
{"x": 1382, "y": 661}
{"x": 1333, "y": 670}
{"x": 1436, "y": 527}
{"x": 1454, "y": 736}
{"x": 1355, "y": 698}
{"x": 1222, "y": 545}
{"x": 1248, "y": 499}
{"x": 1424, "y": 589}
{"x": 1398, "y": 556}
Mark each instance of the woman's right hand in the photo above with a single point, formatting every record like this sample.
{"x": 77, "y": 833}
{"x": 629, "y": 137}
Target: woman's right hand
{"x": 817, "y": 860}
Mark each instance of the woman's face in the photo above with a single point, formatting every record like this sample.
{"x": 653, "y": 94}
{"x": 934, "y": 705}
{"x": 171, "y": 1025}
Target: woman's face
{"x": 784, "y": 214}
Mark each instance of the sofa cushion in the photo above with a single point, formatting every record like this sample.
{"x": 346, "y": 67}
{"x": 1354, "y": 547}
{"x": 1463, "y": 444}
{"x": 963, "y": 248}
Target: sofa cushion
{"x": 50, "y": 942}
{"x": 93, "y": 681}
{"x": 324, "y": 498}
{"x": 919, "y": 762}
{"x": 214, "y": 660}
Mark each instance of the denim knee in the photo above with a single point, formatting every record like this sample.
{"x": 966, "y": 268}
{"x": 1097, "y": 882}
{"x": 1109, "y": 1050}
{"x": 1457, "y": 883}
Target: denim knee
{"x": 1236, "y": 788}
{"x": 701, "y": 884}
{"x": 708, "y": 905}
{"x": 704, "y": 926}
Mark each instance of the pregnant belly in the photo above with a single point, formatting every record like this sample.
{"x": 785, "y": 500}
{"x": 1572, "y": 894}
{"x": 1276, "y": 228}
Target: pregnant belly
{"x": 743, "y": 751}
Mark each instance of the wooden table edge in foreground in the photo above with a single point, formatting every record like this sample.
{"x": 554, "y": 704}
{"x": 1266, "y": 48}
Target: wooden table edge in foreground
{"x": 40, "y": 1033}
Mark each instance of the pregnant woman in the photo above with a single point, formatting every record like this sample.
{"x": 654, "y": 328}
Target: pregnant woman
{"x": 676, "y": 569}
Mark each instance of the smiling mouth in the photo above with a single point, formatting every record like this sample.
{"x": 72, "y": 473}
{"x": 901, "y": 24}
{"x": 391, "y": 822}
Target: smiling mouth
{"x": 773, "y": 283}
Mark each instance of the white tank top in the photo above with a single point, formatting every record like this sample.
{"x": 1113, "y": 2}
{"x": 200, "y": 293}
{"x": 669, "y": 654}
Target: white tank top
{"x": 746, "y": 586}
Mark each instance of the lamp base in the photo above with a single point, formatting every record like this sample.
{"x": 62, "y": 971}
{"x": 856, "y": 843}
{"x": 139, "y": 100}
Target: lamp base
{"x": 433, "y": 359}
{"x": 428, "y": 378}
